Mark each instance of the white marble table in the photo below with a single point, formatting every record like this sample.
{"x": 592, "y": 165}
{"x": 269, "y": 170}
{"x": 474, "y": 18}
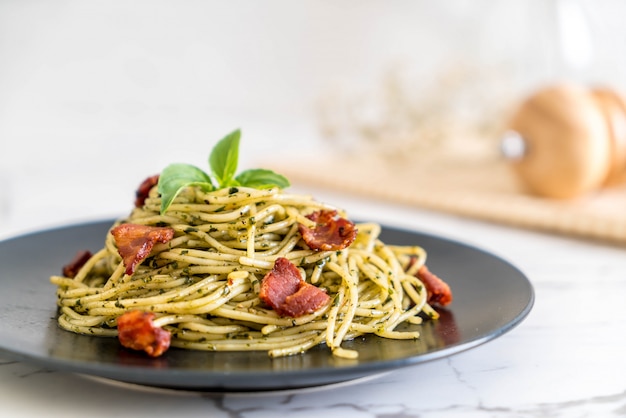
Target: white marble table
{"x": 566, "y": 359}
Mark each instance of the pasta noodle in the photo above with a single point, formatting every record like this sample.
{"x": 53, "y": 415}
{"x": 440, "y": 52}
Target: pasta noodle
{"x": 203, "y": 285}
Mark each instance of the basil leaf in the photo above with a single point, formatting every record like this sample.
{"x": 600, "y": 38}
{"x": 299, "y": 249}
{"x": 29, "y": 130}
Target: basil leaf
{"x": 224, "y": 157}
{"x": 175, "y": 177}
{"x": 262, "y": 179}
{"x": 223, "y": 162}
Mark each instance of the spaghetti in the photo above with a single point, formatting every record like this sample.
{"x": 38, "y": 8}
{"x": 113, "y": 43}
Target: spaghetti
{"x": 203, "y": 285}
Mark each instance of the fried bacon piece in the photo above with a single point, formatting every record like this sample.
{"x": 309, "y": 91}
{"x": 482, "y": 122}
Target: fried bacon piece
{"x": 438, "y": 291}
{"x": 134, "y": 242}
{"x": 331, "y": 232}
{"x": 283, "y": 280}
{"x": 135, "y": 330}
{"x": 306, "y": 300}
{"x": 71, "y": 270}
{"x": 141, "y": 194}
{"x": 284, "y": 290}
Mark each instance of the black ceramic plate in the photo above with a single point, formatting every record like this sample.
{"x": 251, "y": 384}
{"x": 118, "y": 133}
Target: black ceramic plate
{"x": 490, "y": 297}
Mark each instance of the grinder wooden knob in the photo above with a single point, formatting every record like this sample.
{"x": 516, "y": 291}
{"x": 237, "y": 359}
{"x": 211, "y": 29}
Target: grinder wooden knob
{"x": 567, "y": 140}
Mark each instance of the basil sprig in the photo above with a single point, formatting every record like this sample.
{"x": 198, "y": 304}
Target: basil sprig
{"x": 223, "y": 162}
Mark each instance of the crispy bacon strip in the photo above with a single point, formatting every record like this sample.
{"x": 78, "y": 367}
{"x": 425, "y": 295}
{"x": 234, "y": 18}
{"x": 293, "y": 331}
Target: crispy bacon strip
{"x": 438, "y": 291}
{"x": 284, "y": 290}
{"x": 136, "y": 331}
{"x": 134, "y": 242}
{"x": 331, "y": 233}
{"x": 144, "y": 190}
{"x": 71, "y": 270}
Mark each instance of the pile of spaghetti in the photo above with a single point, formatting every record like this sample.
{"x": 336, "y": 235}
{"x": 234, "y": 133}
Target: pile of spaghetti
{"x": 242, "y": 268}
{"x": 203, "y": 286}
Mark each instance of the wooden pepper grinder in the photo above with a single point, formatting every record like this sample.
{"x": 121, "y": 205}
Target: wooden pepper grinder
{"x": 566, "y": 140}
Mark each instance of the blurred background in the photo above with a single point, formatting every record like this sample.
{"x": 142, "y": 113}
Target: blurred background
{"x": 97, "y": 95}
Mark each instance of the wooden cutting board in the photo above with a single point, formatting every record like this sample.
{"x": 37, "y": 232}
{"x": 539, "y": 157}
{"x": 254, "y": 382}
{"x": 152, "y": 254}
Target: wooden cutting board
{"x": 482, "y": 188}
